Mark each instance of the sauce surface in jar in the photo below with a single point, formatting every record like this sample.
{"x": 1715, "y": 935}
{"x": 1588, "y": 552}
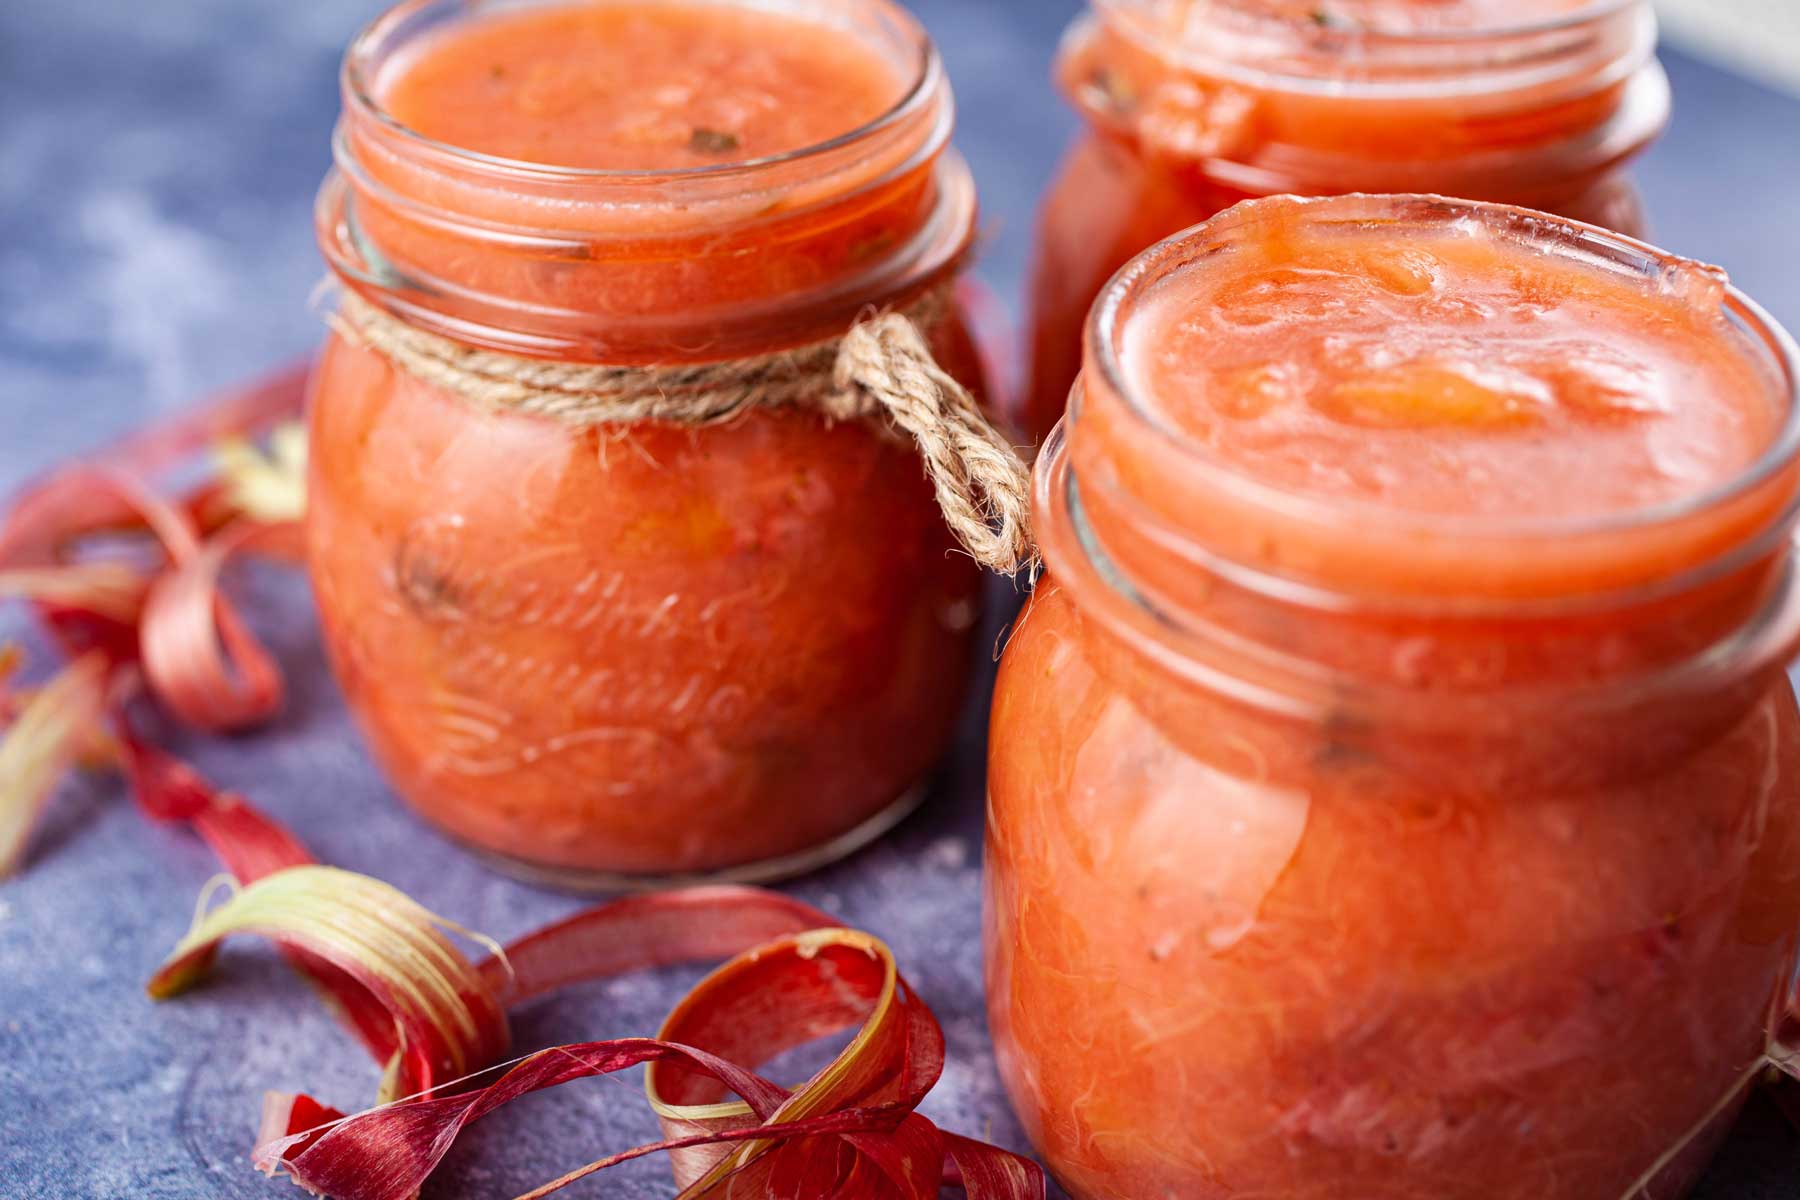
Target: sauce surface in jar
{"x": 1194, "y": 105}
{"x": 1452, "y": 373}
{"x": 640, "y": 86}
{"x": 629, "y": 650}
{"x": 1394, "y": 787}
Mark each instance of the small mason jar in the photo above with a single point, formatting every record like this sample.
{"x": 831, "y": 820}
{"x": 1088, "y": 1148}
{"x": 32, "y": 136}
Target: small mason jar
{"x": 628, "y": 653}
{"x": 1341, "y": 846}
{"x": 1192, "y": 107}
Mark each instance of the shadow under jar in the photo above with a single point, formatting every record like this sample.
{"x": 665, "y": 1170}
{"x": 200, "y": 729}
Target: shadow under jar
{"x": 1394, "y": 786}
{"x": 633, "y": 651}
{"x": 1194, "y": 105}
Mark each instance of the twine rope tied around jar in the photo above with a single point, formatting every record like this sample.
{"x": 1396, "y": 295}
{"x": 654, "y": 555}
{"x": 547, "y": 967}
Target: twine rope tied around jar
{"x": 880, "y": 369}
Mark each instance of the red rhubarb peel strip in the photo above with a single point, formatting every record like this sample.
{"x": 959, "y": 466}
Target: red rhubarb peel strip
{"x": 251, "y": 845}
{"x": 63, "y": 506}
{"x": 199, "y": 657}
{"x": 201, "y": 660}
{"x": 41, "y": 744}
{"x": 163, "y": 622}
{"x": 446, "y": 1022}
{"x": 849, "y": 1133}
{"x": 697, "y": 924}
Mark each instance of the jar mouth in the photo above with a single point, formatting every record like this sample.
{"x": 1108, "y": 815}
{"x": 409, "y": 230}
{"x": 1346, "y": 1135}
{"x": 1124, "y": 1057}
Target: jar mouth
{"x": 1588, "y": 243}
{"x": 382, "y": 38}
{"x": 716, "y": 261}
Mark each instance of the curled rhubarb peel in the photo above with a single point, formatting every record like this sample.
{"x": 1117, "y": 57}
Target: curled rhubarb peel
{"x": 849, "y": 1133}
{"x": 158, "y": 621}
{"x": 200, "y": 659}
{"x": 110, "y": 590}
{"x": 47, "y": 736}
{"x": 444, "y": 1021}
{"x": 202, "y": 662}
{"x": 252, "y": 845}
{"x": 66, "y": 505}
{"x": 829, "y": 979}
{"x": 116, "y": 622}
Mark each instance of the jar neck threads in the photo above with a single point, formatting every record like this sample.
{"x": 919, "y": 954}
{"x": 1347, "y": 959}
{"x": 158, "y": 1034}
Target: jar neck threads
{"x": 1266, "y": 102}
{"x": 644, "y": 266}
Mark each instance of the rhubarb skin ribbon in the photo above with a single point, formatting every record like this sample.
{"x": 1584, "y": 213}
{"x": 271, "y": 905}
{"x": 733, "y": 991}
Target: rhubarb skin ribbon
{"x": 125, "y": 624}
{"x": 850, "y": 1132}
{"x": 198, "y": 658}
{"x": 157, "y": 623}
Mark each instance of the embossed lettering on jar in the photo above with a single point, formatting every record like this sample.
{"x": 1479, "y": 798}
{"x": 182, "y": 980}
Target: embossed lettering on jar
{"x": 613, "y": 651}
{"x": 1193, "y": 105}
{"x": 1394, "y": 781}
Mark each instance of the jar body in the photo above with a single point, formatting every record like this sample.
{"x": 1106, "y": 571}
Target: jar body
{"x": 611, "y": 654}
{"x": 1232, "y": 954}
{"x": 604, "y": 649}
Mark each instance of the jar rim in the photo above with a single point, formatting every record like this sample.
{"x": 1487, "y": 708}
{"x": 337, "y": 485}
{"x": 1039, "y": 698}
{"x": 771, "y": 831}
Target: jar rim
{"x": 1591, "y": 11}
{"x": 1601, "y": 44}
{"x": 370, "y": 43}
{"x": 1564, "y": 236}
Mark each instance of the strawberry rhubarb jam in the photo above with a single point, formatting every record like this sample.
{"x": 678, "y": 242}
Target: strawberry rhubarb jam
{"x": 1394, "y": 785}
{"x": 1193, "y": 105}
{"x": 633, "y": 650}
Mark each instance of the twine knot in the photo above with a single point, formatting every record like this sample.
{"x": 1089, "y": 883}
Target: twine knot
{"x": 881, "y": 369}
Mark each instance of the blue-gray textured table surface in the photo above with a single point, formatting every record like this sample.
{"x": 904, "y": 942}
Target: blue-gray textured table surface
{"x": 157, "y": 164}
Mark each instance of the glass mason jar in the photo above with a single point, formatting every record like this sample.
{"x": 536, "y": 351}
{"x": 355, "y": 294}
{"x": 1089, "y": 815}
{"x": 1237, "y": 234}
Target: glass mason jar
{"x": 617, "y": 654}
{"x": 1192, "y": 107}
{"x": 1333, "y": 852}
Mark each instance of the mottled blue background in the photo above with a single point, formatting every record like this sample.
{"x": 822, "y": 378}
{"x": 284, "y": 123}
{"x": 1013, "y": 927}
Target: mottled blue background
{"x": 157, "y": 165}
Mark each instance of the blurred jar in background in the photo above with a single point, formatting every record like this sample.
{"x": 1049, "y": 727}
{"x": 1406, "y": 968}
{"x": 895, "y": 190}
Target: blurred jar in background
{"x": 1193, "y": 105}
{"x": 630, "y": 651}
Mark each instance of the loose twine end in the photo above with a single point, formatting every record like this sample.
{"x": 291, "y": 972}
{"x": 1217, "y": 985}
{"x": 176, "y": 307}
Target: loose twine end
{"x": 882, "y": 368}
{"x": 982, "y": 484}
